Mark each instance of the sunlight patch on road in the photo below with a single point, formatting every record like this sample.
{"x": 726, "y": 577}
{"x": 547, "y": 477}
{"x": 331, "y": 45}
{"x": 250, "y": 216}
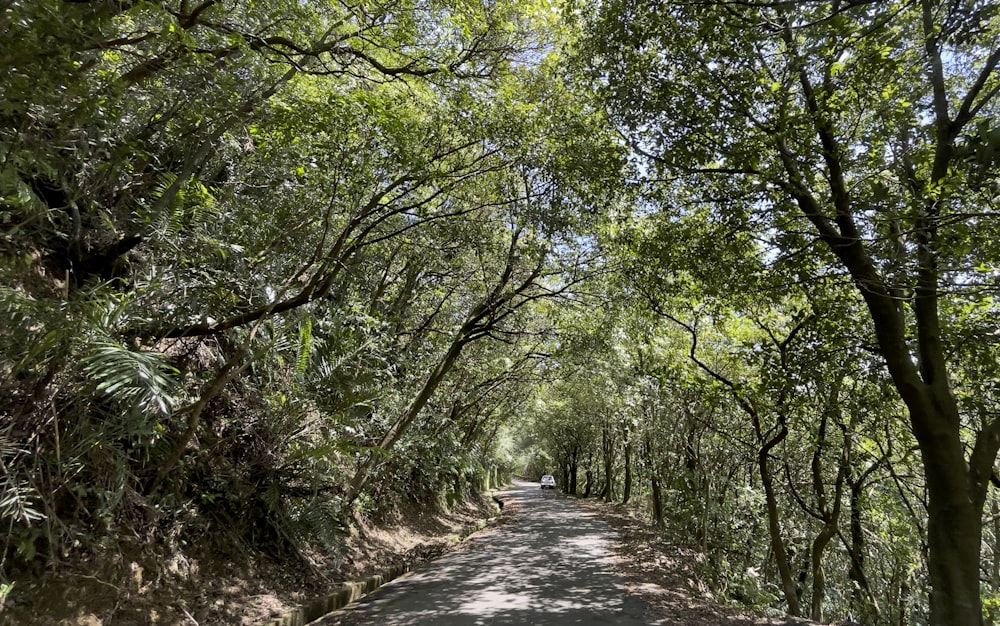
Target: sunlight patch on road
{"x": 593, "y": 544}
{"x": 489, "y": 603}
{"x": 493, "y": 603}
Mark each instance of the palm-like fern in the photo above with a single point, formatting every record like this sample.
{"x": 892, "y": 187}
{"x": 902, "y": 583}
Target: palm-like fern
{"x": 16, "y": 495}
{"x": 142, "y": 380}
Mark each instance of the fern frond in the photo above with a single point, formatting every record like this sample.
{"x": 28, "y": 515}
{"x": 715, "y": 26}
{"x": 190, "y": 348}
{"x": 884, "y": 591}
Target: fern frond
{"x": 305, "y": 346}
{"x": 320, "y": 520}
{"x": 142, "y": 380}
{"x": 15, "y": 501}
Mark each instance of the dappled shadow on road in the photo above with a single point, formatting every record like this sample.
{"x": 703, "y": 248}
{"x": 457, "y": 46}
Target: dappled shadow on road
{"x": 550, "y": 565}
{"x": 663, "y": 575}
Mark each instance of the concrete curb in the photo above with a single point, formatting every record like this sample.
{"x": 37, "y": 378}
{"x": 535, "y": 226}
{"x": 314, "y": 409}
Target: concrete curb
{"x": 346, "y": 593}
{"x": 341, "y": 596}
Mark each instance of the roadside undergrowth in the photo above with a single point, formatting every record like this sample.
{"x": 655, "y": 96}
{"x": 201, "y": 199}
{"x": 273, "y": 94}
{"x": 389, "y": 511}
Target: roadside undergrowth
{"x": 215, "y": 579}
{"x": 667, "y": 576}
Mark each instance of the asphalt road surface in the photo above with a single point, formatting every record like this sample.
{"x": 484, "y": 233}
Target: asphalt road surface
{"x": 550, "y": 566}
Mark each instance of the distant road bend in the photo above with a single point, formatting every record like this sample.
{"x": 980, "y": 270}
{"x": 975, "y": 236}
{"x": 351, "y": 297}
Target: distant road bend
{"x": 550, "y": 566}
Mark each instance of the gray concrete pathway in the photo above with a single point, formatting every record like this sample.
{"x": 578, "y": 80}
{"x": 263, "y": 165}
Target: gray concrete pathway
{"x": 549, "y": 566}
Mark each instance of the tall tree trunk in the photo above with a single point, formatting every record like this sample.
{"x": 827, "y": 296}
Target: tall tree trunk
{"x": 503, "y": 300}
{"x": 828, "y": 508}
{"x": 608, "y": 453}
{"x": 574, "y": 470}
{"x": 589, "y": 474}
{"x": 995, "y": 562}
{"x": 656, "y": 494}
{"x": 774, "y": 524}
{"x": 657, "y": 497}
{"x": 902, "y": 593}
{"x": 954, "y": 533}
{"x": 956, "y": 487}
{"x": 706, "y": 510}
{"x": 820, "y": 542}
{"x": 363, "y": 471}
{"x": 862, "y": 597}
{"x": 627, "y": 486}
{"x": 766, "y": 443}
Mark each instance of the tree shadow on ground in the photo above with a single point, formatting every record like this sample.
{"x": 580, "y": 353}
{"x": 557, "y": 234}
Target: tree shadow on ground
{"x": 550, "y": 565}
{"x": 663, "y": 576}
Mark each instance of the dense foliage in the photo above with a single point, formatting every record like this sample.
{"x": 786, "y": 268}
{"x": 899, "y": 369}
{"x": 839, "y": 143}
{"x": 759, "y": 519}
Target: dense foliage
{"x": 268, "y": 265}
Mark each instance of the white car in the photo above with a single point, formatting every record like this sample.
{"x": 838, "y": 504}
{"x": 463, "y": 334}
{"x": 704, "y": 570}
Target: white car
{"x": 548, "y": 481}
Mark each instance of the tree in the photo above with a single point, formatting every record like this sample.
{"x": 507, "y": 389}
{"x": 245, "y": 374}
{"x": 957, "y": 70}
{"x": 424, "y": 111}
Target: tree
{"x": 521, "y": 281}
{"x": 870, "y": 123}
{"x": 278, "y": 224}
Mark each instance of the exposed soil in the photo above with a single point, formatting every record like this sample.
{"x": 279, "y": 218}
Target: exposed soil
{"x": 664, "y": 576}
{"x": 201, "y": 585}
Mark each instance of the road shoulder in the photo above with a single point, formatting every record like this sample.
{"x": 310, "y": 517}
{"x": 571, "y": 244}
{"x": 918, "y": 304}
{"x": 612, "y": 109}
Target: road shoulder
{"x": 664, "y": 577}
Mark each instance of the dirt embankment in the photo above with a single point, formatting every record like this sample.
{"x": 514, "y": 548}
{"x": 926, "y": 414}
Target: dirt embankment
{"x": 664, "y": 577}
{"x": 202, "y": 584}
